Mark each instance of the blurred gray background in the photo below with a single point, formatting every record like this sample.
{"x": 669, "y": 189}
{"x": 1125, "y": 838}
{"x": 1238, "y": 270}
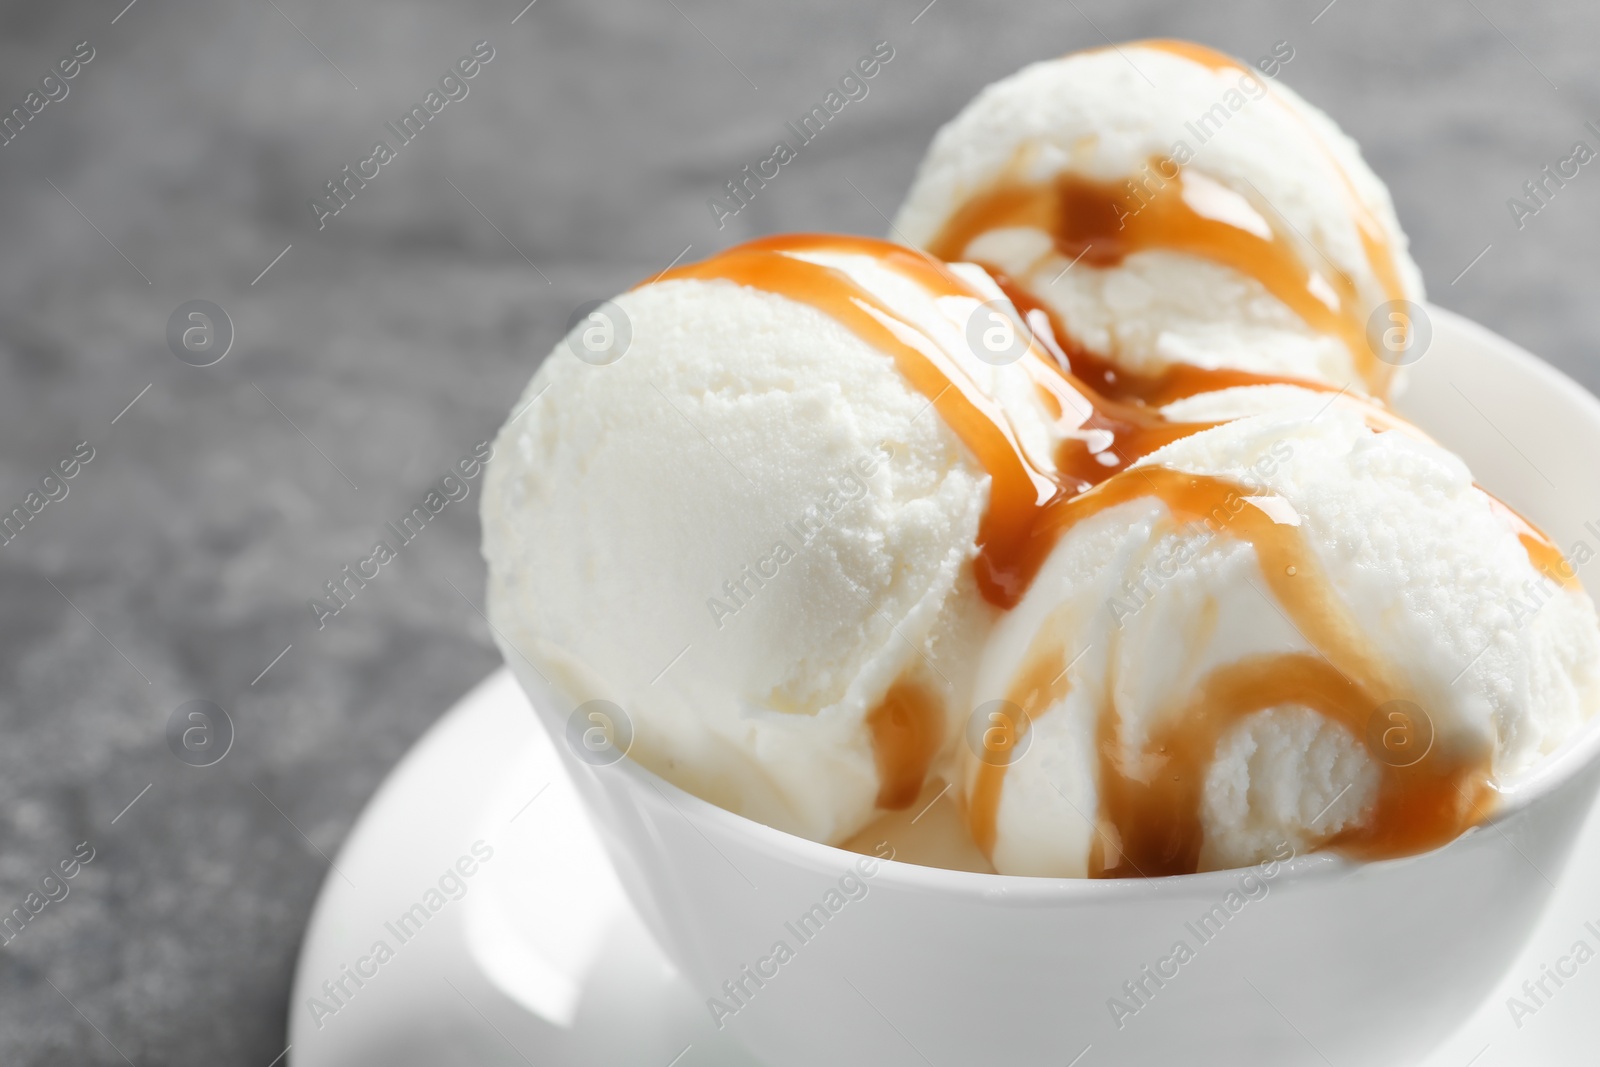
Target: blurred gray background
{"x": 376, "y": 352}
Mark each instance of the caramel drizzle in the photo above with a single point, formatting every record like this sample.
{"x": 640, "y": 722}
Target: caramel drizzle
{"x": 1096, "y": 429}
{"x": 1105, "y": 222}
{"x": 1178, "y": 381}
{"x": 1543, "y": 552}
{"x": 1375, "y": 244}
{"x": 907, "y": 730}
{"x": 1042, "y": 684}
{"x": 1150, "y": 801}
{"x": 1149, "y": 823}
{"x": 1138, "y": 393}
{"x": 1193, "y": 51}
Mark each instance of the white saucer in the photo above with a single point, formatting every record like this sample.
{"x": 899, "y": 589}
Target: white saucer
{"x": 540, "y": 960}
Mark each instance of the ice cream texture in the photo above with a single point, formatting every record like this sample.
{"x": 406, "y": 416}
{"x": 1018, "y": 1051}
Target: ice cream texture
{"x": 1144, "y": 610}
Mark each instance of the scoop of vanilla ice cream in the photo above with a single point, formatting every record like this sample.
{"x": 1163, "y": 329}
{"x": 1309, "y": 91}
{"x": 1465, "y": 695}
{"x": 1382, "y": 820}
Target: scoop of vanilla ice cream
{"x": 1251, "y": 151}
{"x": 743, "y": 533}
{"x": 1140, "y": 610}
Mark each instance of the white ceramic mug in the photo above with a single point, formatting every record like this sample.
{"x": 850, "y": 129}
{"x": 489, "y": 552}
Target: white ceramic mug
{"x": 1313, "y": 961}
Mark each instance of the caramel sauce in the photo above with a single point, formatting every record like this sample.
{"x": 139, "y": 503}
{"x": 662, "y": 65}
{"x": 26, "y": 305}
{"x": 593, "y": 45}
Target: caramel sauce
{"x": 1178, "y": 381}
{"x": 1149, "y": 820}
{"x": 1155, "y": 808}
{"x": 1193, "y": 51}
{"x": 983, "y": 801}
{"x": 1043, "y": 682}
{"x": 1543, "y": 553}
{"x": 907, "y": 730}
{"x": 1102, "y": 435}
{"x": 1105, "y": 222}
{"x": 1161, "y": 209}
{"x": 1151, "y": 799}
{"x": 1154, "y": 803}
{"x": 1375, "y": 243}
{"x": 1018, "y": 489}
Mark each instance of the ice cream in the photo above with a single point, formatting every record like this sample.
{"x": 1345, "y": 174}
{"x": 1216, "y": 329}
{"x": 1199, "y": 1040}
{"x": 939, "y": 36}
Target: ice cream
{"x": 1230, "y": 637}
{"x": 1289, "y": 630}
{"x": 803, "y": 536}
{"x": 1175, "y": 207}
{"x": 1129, "y": 558}
{"x": 753, "y": 532}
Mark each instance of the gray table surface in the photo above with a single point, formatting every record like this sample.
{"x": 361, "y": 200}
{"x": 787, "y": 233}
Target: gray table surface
{"x": 377, "y": 351}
